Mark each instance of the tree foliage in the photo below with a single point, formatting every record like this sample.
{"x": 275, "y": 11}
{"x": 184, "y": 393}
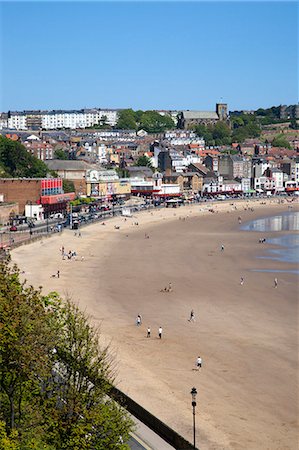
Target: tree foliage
{"x": 16, "y": 161}
{"x": 126, "y": 120}
{"x": 153, "y": 122}
{"x": 60, "y": 154}
{"x": 144, "y": 161}
{"x": 54, "y": 378}
{"x": 150, "y": 121}
{"x": 68, "y": 186}
{"x": 281, "y": 141}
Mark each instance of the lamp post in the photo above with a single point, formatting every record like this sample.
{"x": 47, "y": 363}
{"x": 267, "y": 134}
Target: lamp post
{"x": 193, "y": 394}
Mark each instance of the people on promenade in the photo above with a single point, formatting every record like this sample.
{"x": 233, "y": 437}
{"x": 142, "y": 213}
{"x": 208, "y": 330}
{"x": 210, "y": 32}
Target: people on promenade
{"x": 160, "y": 332}
{"x": 198, "y": 363}
{"x": 148, "y": 335}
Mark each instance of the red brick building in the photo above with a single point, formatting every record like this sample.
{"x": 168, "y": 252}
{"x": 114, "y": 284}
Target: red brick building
{"x": 45, "y": 191}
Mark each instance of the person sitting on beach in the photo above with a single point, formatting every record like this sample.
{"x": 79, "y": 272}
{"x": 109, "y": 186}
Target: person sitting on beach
{"x": 169, "y": 288}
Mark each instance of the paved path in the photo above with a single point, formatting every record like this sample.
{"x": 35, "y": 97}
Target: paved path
{"x": 145, "y": 439}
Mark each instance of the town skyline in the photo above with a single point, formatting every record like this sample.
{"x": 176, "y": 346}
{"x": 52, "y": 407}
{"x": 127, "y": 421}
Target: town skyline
{"x": 171, "y": 56}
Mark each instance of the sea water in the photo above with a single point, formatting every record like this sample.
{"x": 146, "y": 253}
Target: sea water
{"x": 287, "y": 245}
{"x": 287, "y": 221}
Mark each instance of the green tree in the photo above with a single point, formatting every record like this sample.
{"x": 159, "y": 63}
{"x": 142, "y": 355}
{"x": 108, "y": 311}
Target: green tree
{"x": 153, "y": 122}
{"x": 8, "y": 442}
{"x": 54, "y": 378}
{"x": 221, "y": 133}
{"x": 138, "y": 114}
{"x": 26, "y": 338}
{"x": 294, "y": 124}
{"x": 17, "y": 162}
{"x": 103, "y": 121}
{"x": 281, "y": 141}
{"x": 87, "y": 377}
{"x": 60, "y": 154}
{"x": 126, "y": 120}
{"x": 68, "y": 186}
{"x": 144, "y": 161}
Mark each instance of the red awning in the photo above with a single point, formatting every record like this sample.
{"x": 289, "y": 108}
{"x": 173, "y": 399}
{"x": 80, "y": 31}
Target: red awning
{"x": 59, "y": 198}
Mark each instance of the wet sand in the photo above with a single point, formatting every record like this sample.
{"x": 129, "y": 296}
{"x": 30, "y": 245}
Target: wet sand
{"x": 246, "y": 335}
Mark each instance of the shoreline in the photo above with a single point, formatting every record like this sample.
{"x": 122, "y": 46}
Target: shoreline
{"x": 121, "y": 276}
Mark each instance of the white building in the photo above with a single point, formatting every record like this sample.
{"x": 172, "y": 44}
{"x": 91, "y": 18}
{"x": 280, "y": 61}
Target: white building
{"x": 17, "y": 121}
{"x": 51, "y": 120}
{"x": 278, "y": 178}
{"x": 184, "y": 137}
{"x": 263, "y": 184}
{"x": 3, "y": 121}
{"x": 297, "y": 171}
{"x": 246, "y": 185}
{"x": 154, "y": 187}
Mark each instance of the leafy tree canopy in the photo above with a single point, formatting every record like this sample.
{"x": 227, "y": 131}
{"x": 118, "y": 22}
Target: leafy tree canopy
{"x": 54, "y": 378}
{"x": 16, "y": 161}
{"x": 150, "y": 121}
{"x": 144, "y": 161}
{"x": 60, "y": 154}
{"x": 281, "y": 141}
{"x": 153, "y": 122}
{"x": 126, "y": 120}
{"x": 68, "y": 186}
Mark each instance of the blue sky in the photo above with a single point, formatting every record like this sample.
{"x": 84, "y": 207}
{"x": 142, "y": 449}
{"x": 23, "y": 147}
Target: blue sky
{"x": 148, "y": 55}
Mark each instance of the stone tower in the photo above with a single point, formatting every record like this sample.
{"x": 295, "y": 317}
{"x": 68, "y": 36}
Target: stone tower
{"x": 221, "y": 110}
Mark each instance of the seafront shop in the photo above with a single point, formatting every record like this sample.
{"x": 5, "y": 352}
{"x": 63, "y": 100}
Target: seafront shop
{"x": 107, "y": 186}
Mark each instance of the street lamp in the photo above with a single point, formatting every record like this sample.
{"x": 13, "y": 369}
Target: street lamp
{"x": 193, "y": 394}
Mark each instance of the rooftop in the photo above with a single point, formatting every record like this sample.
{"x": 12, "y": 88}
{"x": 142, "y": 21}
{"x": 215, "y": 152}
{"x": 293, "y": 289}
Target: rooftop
{"x": 200, "y": 115}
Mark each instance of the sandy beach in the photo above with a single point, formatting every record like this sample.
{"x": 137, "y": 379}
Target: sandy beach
{"x": 247, "y": 335}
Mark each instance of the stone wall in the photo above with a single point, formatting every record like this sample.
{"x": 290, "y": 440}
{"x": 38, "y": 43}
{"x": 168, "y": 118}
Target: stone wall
{"x": 7, "y": 210}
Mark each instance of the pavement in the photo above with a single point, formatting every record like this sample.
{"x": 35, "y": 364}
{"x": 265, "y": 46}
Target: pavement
{"x": 144, "y": 438}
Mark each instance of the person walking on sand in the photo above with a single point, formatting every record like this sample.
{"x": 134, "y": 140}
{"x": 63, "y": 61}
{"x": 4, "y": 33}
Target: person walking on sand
{"x": 160, "y": 332}
{"x": 138, "y": 320}
{"x": 58, "y": 273}
{"x": 275, "y": 282}
{"x": 222, "y": 247}
{"x": 169, "y": 287}
{"x": 241, "y": 281}
{"x": 198, "y": 363}
{"x": 192, "y": 316}
{"x": 148, "y": 332}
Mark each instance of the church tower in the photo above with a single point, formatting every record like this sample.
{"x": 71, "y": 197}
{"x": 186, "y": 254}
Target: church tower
{"x": 221, "y": 110}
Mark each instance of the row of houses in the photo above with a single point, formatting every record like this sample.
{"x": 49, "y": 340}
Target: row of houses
{"x": 51, "y": 120}
{"x": 42, "y": 198}
{"x": 85, "y": 118}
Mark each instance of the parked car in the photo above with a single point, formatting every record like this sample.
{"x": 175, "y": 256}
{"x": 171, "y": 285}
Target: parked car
{"x": 13, "y": 228}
